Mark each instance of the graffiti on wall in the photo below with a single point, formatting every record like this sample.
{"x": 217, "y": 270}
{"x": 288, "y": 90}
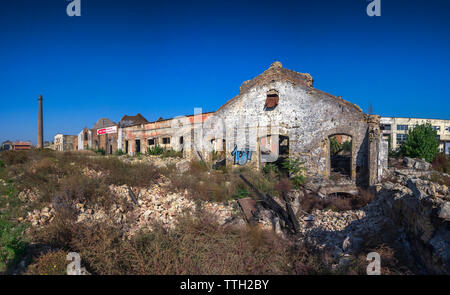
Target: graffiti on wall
{"x": 241, "y": 157}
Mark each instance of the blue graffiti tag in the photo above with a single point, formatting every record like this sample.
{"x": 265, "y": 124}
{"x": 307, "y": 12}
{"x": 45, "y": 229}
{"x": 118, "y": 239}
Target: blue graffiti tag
{"x": 241, "y": 157}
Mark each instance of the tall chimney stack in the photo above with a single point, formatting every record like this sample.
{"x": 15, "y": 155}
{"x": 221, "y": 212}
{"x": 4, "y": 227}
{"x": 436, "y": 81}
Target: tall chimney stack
{"x": 40, "y": 140}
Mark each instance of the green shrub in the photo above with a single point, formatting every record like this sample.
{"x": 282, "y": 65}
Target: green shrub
{"x": 2, "y": 164}
{"x": 12, "y": 244}
{"x": 155, "y": 150}
{"x": 100, "y": 152}
{"x": 298, "y": 180}
{"x": 119, "y": 152}
{"x": 170, "y": 153}
{"x": 242, "y": 193}
{"x": 12, "y": 236}
{"x": 421, "y": 143}
{"x": 296, "y": 171}
{"x": 271, "y": 168}
{"x": 335, "y": 146}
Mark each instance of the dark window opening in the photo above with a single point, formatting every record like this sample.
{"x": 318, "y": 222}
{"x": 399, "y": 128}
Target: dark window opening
{"x": 166, "y": 140}
{"x": 85, "y": 136}
{"x": 126, "y": 147}
{"x": 385, "y": 127}
{"x": 340, "y": 156}
{"x": 151, "y": 141}
{"x": 271, "y": 100}
{"x": 283, "y": 153}
{"x": 110, "y": 149}
{"x": 137, "y": 148}
{"x": 401, "y": 138}
{"x": 181, "y": 140}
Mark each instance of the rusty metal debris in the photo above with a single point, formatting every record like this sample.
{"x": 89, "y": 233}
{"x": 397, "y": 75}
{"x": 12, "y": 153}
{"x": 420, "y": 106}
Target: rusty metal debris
{"x": 268, "y": 202}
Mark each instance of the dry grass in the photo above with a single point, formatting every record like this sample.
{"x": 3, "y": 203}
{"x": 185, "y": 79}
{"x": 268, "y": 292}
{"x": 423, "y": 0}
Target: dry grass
{"x": 390, "y": 263}
{"x": 441, "y": 163}
{"x": 51, "y": 263}
{"x": 204, "y": 184}
{"x": 440, "y": 178}
{"x": 309, "y": 202}
{"x": 198, "y": 245}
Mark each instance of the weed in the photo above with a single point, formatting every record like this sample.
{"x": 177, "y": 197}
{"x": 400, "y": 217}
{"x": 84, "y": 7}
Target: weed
{"x": 51, "y": 263}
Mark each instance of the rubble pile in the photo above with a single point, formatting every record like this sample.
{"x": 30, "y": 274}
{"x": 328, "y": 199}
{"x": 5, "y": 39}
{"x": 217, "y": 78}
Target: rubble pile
{"x": 158, "y": 161}
{"x": 409, "y": 211}
{"x": 154, "y": 205}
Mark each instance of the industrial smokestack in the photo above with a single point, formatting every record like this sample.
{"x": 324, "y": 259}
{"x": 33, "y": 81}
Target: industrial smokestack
{"x": 40, "y": 140}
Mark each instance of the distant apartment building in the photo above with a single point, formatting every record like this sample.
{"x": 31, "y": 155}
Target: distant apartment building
{"x": 65, "y": 143}
{"x": 16, "y": 145}
{"x": 395, "y": 130}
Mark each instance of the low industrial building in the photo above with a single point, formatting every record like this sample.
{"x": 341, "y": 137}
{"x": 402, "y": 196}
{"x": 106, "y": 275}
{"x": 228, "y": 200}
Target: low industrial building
{"x": 65, "y": 143}
{"x": 174, "y": 133}
{"x": 15, "y": 146}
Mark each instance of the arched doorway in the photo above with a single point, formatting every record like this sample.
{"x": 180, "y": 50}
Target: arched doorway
{"x": 340, "y": 151}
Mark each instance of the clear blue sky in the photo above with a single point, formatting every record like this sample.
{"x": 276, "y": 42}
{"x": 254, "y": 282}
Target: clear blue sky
{"x": 163, "y": 58}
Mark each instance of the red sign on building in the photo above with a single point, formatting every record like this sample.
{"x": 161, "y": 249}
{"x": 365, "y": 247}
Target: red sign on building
{"x": 108, "y": 130}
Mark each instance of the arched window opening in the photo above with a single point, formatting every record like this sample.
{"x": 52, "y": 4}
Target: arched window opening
{"x": 272, "y": 100}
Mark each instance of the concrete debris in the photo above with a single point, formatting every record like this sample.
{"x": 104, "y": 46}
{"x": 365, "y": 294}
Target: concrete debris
{"x": 418, "y": 164}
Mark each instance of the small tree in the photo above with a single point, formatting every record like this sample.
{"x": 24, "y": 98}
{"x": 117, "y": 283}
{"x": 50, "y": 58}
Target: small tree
{"x": 421, "y": 143}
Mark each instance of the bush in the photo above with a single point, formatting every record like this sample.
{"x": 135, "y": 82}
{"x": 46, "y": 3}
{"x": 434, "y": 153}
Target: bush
{"x": 100, "y": 152}
{"x": 119, "y": 152}
{"x": 296, "y": 171}
{"x": 421, "y": 143}
{"x": 242, "y": 193}
{"x": 12, "y": 244}
{"x": 51, "y": 263}
{"x": 155, "y": 150}
{"x": 12, "y": 234}
{"x": 271, "y": 168}
{"x": 170, "y": 153}
{"x": 2, "y": 164}
{"x": 165, "y": 153}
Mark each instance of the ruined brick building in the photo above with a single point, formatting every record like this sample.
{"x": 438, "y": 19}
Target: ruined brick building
{"x": 276, "y": 115}
{"x": 280, "y": 112}
{"x": 104, "y": 136}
